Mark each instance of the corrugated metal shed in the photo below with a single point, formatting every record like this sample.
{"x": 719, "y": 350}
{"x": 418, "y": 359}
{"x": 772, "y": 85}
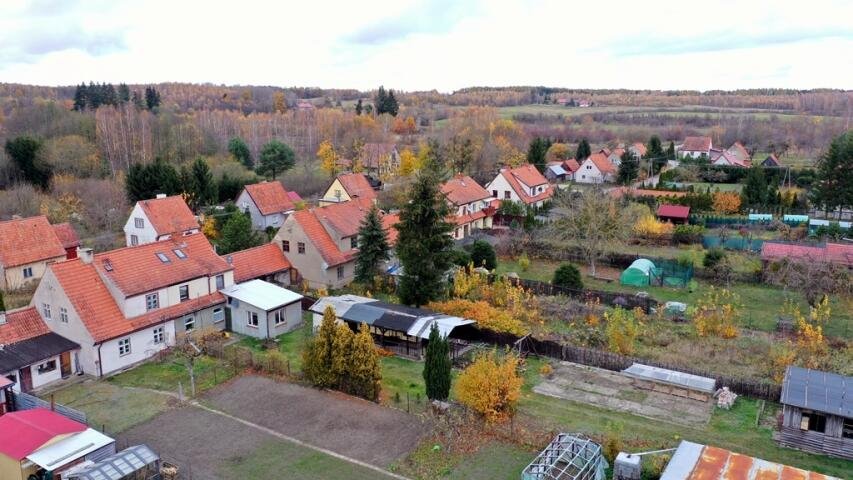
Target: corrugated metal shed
{"x": 821, "y": 391}
{"x": 671, "y": 377}
{"x": 693, "y": 461}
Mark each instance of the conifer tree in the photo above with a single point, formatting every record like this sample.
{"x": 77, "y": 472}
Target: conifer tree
{"x": 655, "y": 148}
{"x": 584, "y": 150}
{"x": 373, "y": 247}
{"x": 199, "y": 186}
{"x": 670, "y": 151}
{"x": 628, "y": 168}
{"x": 152, "y": 98}
{"x": 437, "y": 366}
{"x": 238, "y": 148}
{"x": 358, "y": 107}
{"x": 24, "y": 153}
{"x": 238, "y": 234}
{"x": 754, "y": 193}
{"x": 342, "y": 345}
{"x": 80, "y": 97}
{"x": 276, "y": 157}
{"x": 318, "y": 353}
{"x": 380, "y": 100}
{"x": 537, "y": 151}
{"x": 391, "y": 105}
{"x": 833, "y": 188}
{"x": 365, "y": 371}
{"x": 123, "y": 93}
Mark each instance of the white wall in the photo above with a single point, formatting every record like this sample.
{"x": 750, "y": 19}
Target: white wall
{"x": 589, "y": 173}
{"x": 259, "y": 221}
{"x": 146, "y": 234}
{"x": 500, "y": 185}
{"x": 266, "y": 322}
{"x": 142, "y": 347}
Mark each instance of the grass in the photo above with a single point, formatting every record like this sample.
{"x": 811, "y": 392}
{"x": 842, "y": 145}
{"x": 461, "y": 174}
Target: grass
{"x": 110, "y": 407}
{"x": 165, "y": 375}
{"x": 723, "y": 187}
{"x": 272, "y": 458}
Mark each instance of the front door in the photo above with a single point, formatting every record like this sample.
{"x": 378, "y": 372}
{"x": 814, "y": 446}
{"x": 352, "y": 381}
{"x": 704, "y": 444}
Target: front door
{"x": 65, "y": 364}
{"x": 26, "y": 379}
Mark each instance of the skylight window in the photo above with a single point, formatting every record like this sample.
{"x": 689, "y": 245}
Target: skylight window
{"x": 108, "y": 266}
{"x": 163, "y": 258}
{"x": 180, "y": 253}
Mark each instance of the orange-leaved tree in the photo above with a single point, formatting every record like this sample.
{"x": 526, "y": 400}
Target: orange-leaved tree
{"x": 726, "y": 202}
{"x": 491, "y": 386}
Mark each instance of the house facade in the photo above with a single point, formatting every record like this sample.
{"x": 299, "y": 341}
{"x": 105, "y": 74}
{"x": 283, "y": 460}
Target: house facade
{"x": 471, "y": 205}
{"x": 262, "y": 310}
{"x": 522, "y": 184}
{"x": 125, "y": 305}
{"x": 159, "y": 218}
{"x": 346, "y": 187}
{"x": 380, "y": 159}
{"x": 695, "y": 147}
{"x": 268, "y": 203}
{"x": 32, "y": 356}
{"x": 596, "y": 169}
{"x": 27, "y": 246}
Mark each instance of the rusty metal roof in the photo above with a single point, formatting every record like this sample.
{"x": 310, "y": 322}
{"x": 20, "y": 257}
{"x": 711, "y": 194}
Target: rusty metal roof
{"x": 693, "y": 461}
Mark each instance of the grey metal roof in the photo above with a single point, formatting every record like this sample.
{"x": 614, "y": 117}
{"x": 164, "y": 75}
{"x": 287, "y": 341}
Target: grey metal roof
{"x": 123, "y": 463}
{"x": 671, "y": 377}
{"x": 33, "y": 350}
{"x": 820, "y": 391}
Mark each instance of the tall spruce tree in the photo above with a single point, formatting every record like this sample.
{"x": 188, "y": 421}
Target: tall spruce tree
{"x": 373, "y": 247}
{"x": 380, "y": 100}
{"x": 80, "y": 99}
{"x": 424, "y": 245}
{"x": 25, "y": 154}
{"x": 654, "y": 149}
{"x": 754, "y": 193}
{"x": 536, "y": 153}
{"x": 629, "y": 167}
{"x": 584, "y": 150}
{"x": 152, "y": 98}
{"x": 391, "y": 105}
{"x": 200, "y": 186}
{"x": 238, "y": 234}
{"x": 670, "y": 151}
{"x": 833, "y": 188}
{"x": 437, "y": 366}
{"x": 123, "y": 93}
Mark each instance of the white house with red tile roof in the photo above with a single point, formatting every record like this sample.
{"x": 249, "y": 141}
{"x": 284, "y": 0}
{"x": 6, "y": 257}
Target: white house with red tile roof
{"x": 695, "y": 147}
{"x": 158, "y": 219}
{"x": 31, "y": 355}
{"x": 266, "y": 262}
{"x": 268, "y": 203}
{"x": 321, "y": 243}
{"x": 521, "y": 184}
{"x": 615, "y": 156}
{"x": 125, "y": 305}
{"x": 596, "y": 169}
{"x": 638, "y": 149}
{"x": 27, "y": 246}
{"x": 739, "y": 152}
{"x": 347, "y": 187}
{"x": 471, "y": 205}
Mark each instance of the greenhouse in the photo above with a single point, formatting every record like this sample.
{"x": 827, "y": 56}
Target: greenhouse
{"x": 568, "y": 457}
{"x": 639, "y": 274}
{"x": 666, "y": 273}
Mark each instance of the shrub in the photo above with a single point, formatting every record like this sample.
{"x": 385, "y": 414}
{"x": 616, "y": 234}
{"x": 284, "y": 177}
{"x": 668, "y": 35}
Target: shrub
{"x": 715, "y": 314}
{"x": 726, "y": 202}
{"x": 687, "y": 233}
{"x": 460, "y": 258}
{"x": 622, "y": 331}
{"x": 713, "y": 257}
{"x": 568, "y": 276}
{"x": 650, "y": 227}
{"x": 523, "y": 262}
{"x": 491, "y": 386}
{"x": 483, "y": 255}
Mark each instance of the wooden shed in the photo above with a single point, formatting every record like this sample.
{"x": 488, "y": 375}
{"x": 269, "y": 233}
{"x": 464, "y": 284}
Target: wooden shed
{"x": 817, "y": 412}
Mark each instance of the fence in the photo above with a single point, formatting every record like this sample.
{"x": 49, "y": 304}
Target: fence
{"x": 25, "y": 401}
{"x": 615, "y": 299}
{"x": 732, "y": 243}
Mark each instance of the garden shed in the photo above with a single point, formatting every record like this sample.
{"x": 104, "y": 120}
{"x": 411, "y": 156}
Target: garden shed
{"x": 639, "y": 274}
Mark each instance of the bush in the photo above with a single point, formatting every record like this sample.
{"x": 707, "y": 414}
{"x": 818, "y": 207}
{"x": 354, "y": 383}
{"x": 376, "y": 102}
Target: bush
{"x": 491, "y": 386}
{"x": 524, "y": 262}
{"x": 568, "y": 276}
{"x": 687, "y": 233}
{"x": 460, "y": 258}
{"x": 713, "y": 257}
{"x": 483, "y": 255}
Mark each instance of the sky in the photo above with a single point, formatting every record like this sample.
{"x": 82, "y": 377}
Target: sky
{"x": 425, "y": 45}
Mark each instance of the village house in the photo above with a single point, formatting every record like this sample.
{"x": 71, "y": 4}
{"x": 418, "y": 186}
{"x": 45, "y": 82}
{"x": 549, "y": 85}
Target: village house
{"x": 676, "y": 214}
{"x": 30, "y": 354}
{"x": 27, "y": 246}
{"x": 740, "y": 153}
{"x": 321, "y": 243}
{"x": 521, "y": 184}
{"x": 596, "y": 169}
{"x": 471, "y": 205}
{"x": 561, "y": 171}
{"x": 380, "y": 159}
{"x": 695, "y": 147}
{"x": 817, "y": 412}
{"x": 638, "y": 149}
{"x": 40, "y": 443}
{"x": 268, "y": 203}
{"x": 266, "y": 262}
{"x": 158, "y": 219}
{"x": 305, "y": 106}
{"x": 68, "y": 238}
{"x": 771, "y": 161}
{"x": 615, "y": 156}
{"x": 347, "y": 187}
{"x": 261, "y": 309}
{"x": 123, "y": 306}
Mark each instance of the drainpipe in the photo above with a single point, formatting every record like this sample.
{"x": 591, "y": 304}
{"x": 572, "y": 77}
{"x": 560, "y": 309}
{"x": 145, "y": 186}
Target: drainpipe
{"x": 100, "y": 363}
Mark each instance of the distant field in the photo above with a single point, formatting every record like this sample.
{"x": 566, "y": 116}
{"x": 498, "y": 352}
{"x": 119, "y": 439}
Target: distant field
{"x": 686, "y": 111}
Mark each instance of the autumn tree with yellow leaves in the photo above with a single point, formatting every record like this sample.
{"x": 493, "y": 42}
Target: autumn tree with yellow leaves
{"x": 328, "y": 158}
{"x": 622, "y": 331}
{"x": 726, "y": 202}
{"x": 409, "y": 162}
{"x": 716, "y": 314}
{"x": 491, "y": 386}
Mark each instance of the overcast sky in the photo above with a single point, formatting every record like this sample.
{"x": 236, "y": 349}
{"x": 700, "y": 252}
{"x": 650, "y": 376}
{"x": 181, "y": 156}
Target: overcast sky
{"x": 424, "y": 45}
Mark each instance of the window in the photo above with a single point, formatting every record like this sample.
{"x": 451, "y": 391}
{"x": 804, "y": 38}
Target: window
{"x": 152, "y": 301}
{"x": 506, "y": 194}
{"x": 495, "y": 193}
{"x": 353, "y": 242}
{"x": 179, "y": 253}
{"x": 138, "y": 223}
{"x": 163, "y": 258}
{"x": 123, "y": 347}
{"x": 45, "y": 309}
{"x": 252, "y": 319}
{"x": 337, "y": 193}
{"x": 47, "y": 366}
{"x": 28, "y": 272}
{"x": 134, "y": 240}
{"x": 189, "y": 324}
{"x": 63, "y": 315}
{"x": 812, "y": 421}
{"x": 218, "y": 315}
{"x": 847, "y": 428}
{"x": 220, "y": 282}
{"x": 340, "y": 272}
{"x": 159, "y": 335}
{"x": 300, "y": 247}
{"x": 184, "y": 292}
{"x": 285, "y": 245}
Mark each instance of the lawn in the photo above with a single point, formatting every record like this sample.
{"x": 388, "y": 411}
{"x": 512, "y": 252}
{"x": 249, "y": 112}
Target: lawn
{"x": 165, "y": 375}
{"x": 723, "y": 187}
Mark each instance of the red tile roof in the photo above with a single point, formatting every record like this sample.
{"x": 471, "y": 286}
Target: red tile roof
{"x": 357, "y": 185}
{"x": 66, "y": 235}
{"x": 169, "y": 215}
{"x": 22, "y": 325}
{"x": 696, "y": 144}
{"x": 321, "y": 239}
{"x": 462, "y": 189}
{"x": 25, "y": 431}
{"x": 571, "y": 165}
{"x": 640, "y": 148}
{"x": 138, "y": 269}
{"x": 257, "y": 262}
{"x": 673, "y": 211}
{"x": 730, "y": 158}
{"x": 344, "y": 217}
{"x": 602, "y": 163}
{"x": 739, "y": 151}
{"x": 270, "y": 197}
{"x": 389, "y": 223}
{"x": 28, "y": 240}
{"x": 837, "y": 253}
{"x": 527, "y": 175}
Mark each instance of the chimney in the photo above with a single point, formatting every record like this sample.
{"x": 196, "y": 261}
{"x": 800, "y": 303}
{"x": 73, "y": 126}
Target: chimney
{"x": 161, "y": 195}
{"x": 85, "y": 254}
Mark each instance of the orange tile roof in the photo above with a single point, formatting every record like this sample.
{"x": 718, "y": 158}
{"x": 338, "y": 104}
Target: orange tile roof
{"x": 22, "y": 325}
{"x": 169, "y": 214}
{"x": 462, "y": 189}
{"x": 389, "y": 223}
{"x": 66, "y": 235}
{"x": 696, "y": 144}
{"x": 321, "y": 239}
{"x": 138, "y": 269}
{"x": 528, "y": 175}
{"x": 28, "y": 240}
{"x": 344, "y": 217}
{"x": 357, "y": 185}
{"x": 571, "y": 165}
{"x": 602, "y": 163}
{"x": 640, "y": 148}
{"x": 270, "y": 197}
{"x": 257, "y": 262}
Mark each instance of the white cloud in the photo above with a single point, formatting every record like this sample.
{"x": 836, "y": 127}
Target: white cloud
{"x": 441, "y": 44}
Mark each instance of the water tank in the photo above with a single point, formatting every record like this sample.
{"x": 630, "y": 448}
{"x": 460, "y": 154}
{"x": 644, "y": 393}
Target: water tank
{"x": 627, "y": 467}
